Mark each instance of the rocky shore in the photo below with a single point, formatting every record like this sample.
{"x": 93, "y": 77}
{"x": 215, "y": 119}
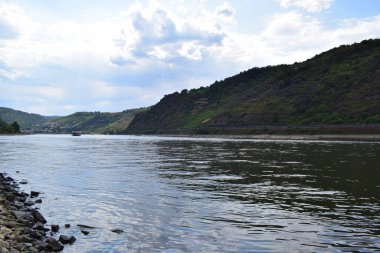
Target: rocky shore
{"x": 22, "y": 226}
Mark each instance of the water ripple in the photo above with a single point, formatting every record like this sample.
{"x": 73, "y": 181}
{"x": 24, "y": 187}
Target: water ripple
{"x": 203, "y": 195}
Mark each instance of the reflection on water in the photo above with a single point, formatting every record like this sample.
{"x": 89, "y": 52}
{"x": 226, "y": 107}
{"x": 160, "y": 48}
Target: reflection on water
{"x": 204, "y": 195}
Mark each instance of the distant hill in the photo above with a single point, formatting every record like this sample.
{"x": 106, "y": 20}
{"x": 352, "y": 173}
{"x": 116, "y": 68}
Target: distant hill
{"x": 91, "y": 122}
{"x": 3, "y": 127}
{"x": 6, "y": 128}
{"x": 340, "y": 86}
{"x": 24, "y": 119}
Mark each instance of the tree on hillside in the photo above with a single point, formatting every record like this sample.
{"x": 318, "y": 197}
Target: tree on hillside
{"x": 16, "y": 127}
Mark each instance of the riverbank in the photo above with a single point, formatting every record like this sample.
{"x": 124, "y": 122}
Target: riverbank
{"x": 274, "y": 137}
{"x": 370, "y": 132}
{"x": 22, "y": 226}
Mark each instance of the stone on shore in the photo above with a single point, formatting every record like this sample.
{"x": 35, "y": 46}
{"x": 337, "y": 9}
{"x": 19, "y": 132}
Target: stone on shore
{"x": 40, "y": 226}
{"x": 67, "y": 239}
{"x": 10, "y": 197}
{"x": 22, "y": 215}
{"x": 9, "y": 237}
{"x": 36, "y": 234}
{"x": 84, "y": 226}
{"x": 22, "y": 227}
{"x": 23, "y": 194}
{"x": 53, "y": 244}
{"x": 85, "y": 232}
{"x": 34, "y": 194}
{"x": 24, "y": 181}
{"x": 11, "y": 224}
{"x": 25, "y": 238}
{"x": 41, "y": 245}
{"x": 55, "y": 228}
{"x": 29, "y": 203}
{"x": 38, "y": 217}
{"x": 117, "y": 231}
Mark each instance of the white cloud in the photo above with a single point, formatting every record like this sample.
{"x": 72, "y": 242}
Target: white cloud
{"x": 295, "y": 36}
{"x": 7, "y": 73}
{"x": 6, "y": 30}
{"x": 191, "y": 51}
{"x": 308, "y": 5}
{"x": 141, "y": 53}
{"x": 292, "y": 31}
{"x": 355, "y": 30}
{"x": 12, "y": 19}
{"x": 50, "y": 92}
{"x": 158, "y": 36}
{"x": 225, "y": 10}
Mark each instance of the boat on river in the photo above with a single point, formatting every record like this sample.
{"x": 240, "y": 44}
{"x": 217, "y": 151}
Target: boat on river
{"x": 76, "y": 133}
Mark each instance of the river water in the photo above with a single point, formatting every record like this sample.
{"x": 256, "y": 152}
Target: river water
{"x": 172, "y": 194}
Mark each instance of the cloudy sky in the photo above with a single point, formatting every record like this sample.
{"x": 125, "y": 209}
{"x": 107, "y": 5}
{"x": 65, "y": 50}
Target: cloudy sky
{"x": 62, "y": 56}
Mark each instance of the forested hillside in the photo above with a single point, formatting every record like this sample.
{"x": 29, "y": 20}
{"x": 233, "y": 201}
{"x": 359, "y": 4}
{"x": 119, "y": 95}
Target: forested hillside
{"x": 340, "y": 86}
{"x": 24, "y": 119}
{"x": 91, "y": 122}
{"x": 9, "y": 129}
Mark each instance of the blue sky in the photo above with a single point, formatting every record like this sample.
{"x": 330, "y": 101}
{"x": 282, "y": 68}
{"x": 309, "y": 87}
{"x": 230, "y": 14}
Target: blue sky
{"x": 62, "y": 56}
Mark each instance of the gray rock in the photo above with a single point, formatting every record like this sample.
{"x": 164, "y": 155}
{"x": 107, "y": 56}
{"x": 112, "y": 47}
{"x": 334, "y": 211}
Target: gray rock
{"x": 27, "y": 222}
{"x": 39, "y": 201}
{"x": 36, "y": 234}
{"x": 33, "y": 249}
{"x": 39, "y": 226}
{"x": 34, "y": 194}
{"x": 55, "y": 228}
{"x": 41, "y": 245}
{"x": 17, "y": 247}
{"x": 23, "y": 215}
{"x": 53, "y": 244}
{"x": 85, "y": 232}
{"x": 117, "y": 231}
{"x": 24, "y": 194}
{"x": 5, "y": 245}
{"x": 18, "y": 204}
{"x": 67, "y": 225}
{"x": 38, "y": 217}
{"x": 84, "y": 226}
{"x": 9, "y": 237}
{"x": 10, "y": 224}
{"x": 10, "y": 197}
{"x": 25, "y": 238}
{"x": 29, "y": 203}
{"x": 22, "y": 199}
{"x": 67, "y": 239}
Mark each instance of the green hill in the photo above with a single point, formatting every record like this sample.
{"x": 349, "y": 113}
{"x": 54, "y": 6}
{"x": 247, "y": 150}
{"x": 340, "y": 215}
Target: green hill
{"x": 24, "y": 119}
{"x": 4, "y": 127}
{"x": 8, "y": 129}
{"x": 92, "y": 122}
{"x": 340, "y": 86}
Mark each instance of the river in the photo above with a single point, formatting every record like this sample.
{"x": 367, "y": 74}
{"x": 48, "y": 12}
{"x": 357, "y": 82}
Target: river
{"x": 172, "y": 194}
